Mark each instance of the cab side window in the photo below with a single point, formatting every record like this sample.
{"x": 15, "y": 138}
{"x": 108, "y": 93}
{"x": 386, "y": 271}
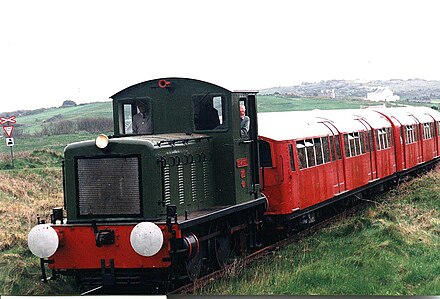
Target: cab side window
{"x": 209, "y": 112}
{"x": 244, "y": 120}
{"x": 128, "y": 122}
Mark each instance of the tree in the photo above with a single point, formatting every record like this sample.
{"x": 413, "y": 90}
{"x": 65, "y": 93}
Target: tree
{"x": 68, "y": 103}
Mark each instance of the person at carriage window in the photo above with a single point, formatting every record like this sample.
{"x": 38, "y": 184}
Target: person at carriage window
{"x": 207, "y": 118}
{"x": 244, "y": 123}
{"x": 142, "y": 120}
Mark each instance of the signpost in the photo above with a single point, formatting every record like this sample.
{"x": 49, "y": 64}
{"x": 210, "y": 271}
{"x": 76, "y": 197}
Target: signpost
{"x": 8, "y": 128}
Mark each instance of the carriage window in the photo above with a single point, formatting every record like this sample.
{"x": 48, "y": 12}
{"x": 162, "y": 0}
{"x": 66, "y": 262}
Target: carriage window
{"x": 292, "y": 165}
{"x": 209, "y": 112}
{"x": 383, "y": 138}
{"x": 410, "y": 135}
{"x": 427, "y": 131}
{"x": 318, "y": 151}
{"x": 338, "y": 147}
{"x": 332, "y": 147}
{"x": 310, "y": 150}
{"x": 265, "y": 154}
{"x": 390, "y": 137}
{"x": 347, "y": 146}
{"x": 128, "y": 122}
{"x": 354, "y": 144}
{"x": 362, "y": 138}
{"x": 302, "y": 154}
{"x": 335, "y": 147}
{"x": 325, "y": 149}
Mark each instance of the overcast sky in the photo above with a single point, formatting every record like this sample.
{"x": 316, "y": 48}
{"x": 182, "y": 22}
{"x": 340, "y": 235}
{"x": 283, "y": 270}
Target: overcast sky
{"x": 51, "y": 51}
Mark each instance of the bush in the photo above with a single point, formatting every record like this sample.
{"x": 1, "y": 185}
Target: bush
{"x": 91, "y": 125}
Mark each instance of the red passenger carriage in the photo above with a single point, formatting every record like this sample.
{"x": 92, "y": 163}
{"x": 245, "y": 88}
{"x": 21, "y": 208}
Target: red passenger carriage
{"x": 311, "y": 158}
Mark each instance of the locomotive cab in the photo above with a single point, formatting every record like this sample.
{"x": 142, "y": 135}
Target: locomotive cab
{"x": 191, "y": 107}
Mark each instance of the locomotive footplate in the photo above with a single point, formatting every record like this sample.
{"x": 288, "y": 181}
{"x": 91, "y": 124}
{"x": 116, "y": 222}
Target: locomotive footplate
{"x": 216, "y": 212}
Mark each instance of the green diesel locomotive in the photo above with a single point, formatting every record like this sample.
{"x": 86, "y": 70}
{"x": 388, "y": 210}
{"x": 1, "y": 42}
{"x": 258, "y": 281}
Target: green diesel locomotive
{"x": 173, "y": 193}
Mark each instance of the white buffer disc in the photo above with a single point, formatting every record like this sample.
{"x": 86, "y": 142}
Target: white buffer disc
{"x": 146, "y": 238}
{"x": 43, "y": 240}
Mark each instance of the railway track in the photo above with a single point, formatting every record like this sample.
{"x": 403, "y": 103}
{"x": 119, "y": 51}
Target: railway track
{"x": 240, "y": 263}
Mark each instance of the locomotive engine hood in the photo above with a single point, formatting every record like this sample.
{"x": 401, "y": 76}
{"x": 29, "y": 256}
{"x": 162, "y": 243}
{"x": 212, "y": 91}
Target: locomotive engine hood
{"x": 123, "y": 180}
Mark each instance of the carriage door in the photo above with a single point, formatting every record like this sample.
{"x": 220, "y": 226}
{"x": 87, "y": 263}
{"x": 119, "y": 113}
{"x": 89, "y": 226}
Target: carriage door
{"x": 337, "y": 161}
{"x": 368, "y": 139}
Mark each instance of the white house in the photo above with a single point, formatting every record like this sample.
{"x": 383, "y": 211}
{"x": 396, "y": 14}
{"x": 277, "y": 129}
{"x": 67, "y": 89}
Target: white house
{"x": 382, "y": 94}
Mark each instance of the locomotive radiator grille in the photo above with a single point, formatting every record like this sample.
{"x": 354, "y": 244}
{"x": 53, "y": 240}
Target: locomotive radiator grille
{"x": 109, "y": 186}
{"x": 181, "y": 185}
{"x": 167, "y": 184}
{"x": 206, "y": 190}
{"x": 193, "y": 182}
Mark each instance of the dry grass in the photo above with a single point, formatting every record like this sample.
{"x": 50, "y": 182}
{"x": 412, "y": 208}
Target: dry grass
{"x": 25, "y": 194}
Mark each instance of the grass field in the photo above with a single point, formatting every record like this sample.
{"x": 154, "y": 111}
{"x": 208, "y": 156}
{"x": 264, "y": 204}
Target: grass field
{"x": 268, "y": 103}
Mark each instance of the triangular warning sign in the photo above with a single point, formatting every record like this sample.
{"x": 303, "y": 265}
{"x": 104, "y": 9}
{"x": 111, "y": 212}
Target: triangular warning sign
{"x": 8, "y": 130}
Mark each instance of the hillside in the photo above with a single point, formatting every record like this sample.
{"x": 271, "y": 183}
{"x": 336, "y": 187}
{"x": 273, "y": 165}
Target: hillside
{"x": 412, "y": 89}
{"x": 32, "y": 122}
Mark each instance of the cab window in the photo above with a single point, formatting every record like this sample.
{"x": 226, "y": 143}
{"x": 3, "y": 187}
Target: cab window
{"x": 209, "y": 112}
{"x": 244, "y": 119}
{"x": 128, "y": 121}
{"x": 135, "y": 117}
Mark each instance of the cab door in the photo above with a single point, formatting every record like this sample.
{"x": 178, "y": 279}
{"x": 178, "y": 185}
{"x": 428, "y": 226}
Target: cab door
{"x": 246, "y": 146}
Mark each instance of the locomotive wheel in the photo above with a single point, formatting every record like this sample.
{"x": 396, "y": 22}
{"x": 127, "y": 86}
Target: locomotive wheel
{"x": 221, "y": 245}
{"x": 194, "y": 266}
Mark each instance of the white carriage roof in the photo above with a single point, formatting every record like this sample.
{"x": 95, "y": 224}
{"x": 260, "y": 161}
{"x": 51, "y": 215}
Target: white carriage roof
{"x": 290, "y": 125}
{"x": 410, "y": 115}
{"x": 346, "y": 120}
{"x": 305, "y": 124}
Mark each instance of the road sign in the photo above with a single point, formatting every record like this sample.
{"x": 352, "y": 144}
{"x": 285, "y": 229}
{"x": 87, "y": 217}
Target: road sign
{"x": 10, "y": 141}
{"x": 4, "y": 120}
{"x": 8, "y": 130}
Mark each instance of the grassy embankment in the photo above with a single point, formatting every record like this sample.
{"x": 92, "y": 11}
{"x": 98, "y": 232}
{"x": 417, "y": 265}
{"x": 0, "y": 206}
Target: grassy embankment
{"x": 33, "y": 188}
{"x": 392, "y": 248}
{"x": 335, "y": 261}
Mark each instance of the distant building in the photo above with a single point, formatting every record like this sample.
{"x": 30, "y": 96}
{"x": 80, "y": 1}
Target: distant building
{"x": 383, "y": 94}
{"x": 328, "y": 93}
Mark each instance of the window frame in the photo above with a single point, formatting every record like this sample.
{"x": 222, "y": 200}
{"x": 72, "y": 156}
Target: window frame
{"x": 223, "y": 115}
